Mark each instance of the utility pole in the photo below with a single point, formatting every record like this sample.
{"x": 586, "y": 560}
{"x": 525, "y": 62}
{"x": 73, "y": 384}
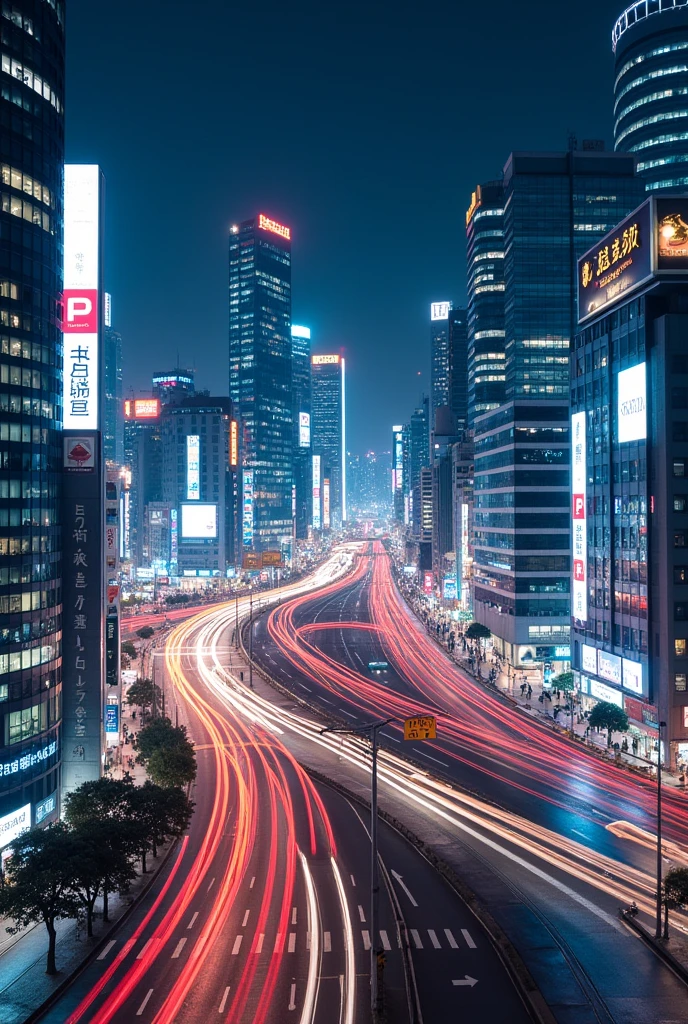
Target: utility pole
{"x": 250, "y": 640}
{"x": 236, "y": 619}
{"x": 376, "y": 952}
{"x": 658, "y": 923}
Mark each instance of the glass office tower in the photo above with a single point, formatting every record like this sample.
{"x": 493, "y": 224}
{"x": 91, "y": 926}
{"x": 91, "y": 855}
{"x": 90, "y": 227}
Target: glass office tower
{"x": 328, "y": 437}
{"x": 113, "y": 409}
{"x": 458, "y": 366}
{"x": 260, "y": 377}
{"x": 31, "y": 235}
{"x": 650, "y": 44}
{"x": 439, "y": 357}
{"x": 301, "y": 411}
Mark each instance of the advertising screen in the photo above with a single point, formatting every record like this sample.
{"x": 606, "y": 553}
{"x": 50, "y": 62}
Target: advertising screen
{"x": 631, "y": 409}
{"x": 324, "y": 360}
{"x": 316, "y": 493}
{"x": 440, "y": 310}
{"x": 449, "y": 591}
{"x": 80, "y": 297}
{"x": 193, "y": 467}
{"x": 605, "y": 693}
{"x": 617, "y": 265}
{"x": 589, "y": 659}
{"x": 579, "y": 533}
{"x": 199, "y": 522}
{"x": 672, "y": 234}
{"x": 233, "y": 444}
{"x": 304, "y": 429}
{"x": 326, "y": 504}
{"x": 146, "y": 408}
{"x": 632, "y": 676}
{"x": 247, "y": 510}
{"x": 12, "y": 825}
{"x": 427, "y": 583}
{"x": 609, "y": 667}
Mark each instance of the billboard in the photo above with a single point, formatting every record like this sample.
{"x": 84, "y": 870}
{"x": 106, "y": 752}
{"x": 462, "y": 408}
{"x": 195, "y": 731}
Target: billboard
{"x": 12, "y": 825}
{"x": 271, "y": 558}
{"x": 79, "y": 453}
{"x": 632, "y": 676}
{"x": 247, "y": 510}
{"x": 112, "y": 718}
{"x": 449, "y": 589}
{"x": 233, "y": 444}
{"x": 80, "y": 297}
{"x": 316, "y": 493}
{"x": 267, "y": 224}
{"x": 579, "y": 535}
{"x": 589, "y": 658}
{"x": 427, "y": 582}
{"x": 304, "y": 430}
{"x": 193, "y": 468}
{"x": 609, "y": 667}
{"x": 440, "y": 310}
{"x": 324, "y": 360}
{"x": 251, "y": 560}
{"x": 199, "y": 521}
{"x": 617, "y": 265}
{"x": 631, "y": 389}
{"x": 142, "y": 408}
{"x": 672, "y": 234}
{"x": 326, "y": 504}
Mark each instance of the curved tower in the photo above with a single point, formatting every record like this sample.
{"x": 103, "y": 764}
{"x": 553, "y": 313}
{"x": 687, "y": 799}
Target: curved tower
{"x": 31, "y": 223}
{"x": 650, "y": 43}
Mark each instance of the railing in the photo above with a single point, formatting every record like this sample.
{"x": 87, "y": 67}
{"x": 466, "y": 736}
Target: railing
{"x": 638, "y": 12}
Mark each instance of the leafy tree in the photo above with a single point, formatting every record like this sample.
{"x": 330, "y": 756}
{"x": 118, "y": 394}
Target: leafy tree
{"x": 610, "y": 717}
{"x": 103, "y": 866}
{"x": 129, "y": 648}
{"x": 159, "y": 733}
{"x": 674, "y": 893}
{"x": 146, "y": 632}
{"x": 144, "y": 693}
{"x": 39, "y": 883}
{"x": 564, "y": 682}
{"x": 99, "y": 800}
{"x": 172, "y": 767}
{"x": 476, "y": 631}
{"x": 159, "y": 814}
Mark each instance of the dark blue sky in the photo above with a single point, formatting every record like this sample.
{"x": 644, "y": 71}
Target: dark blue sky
{"x": 364, "y": 126}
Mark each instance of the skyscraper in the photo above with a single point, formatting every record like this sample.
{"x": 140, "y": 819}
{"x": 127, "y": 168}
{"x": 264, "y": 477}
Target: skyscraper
{"x": 439, "y": 357}
{"x": 650, "y": 43}
{"x": 170, "y": 384}
{"x": 260, "y": 376}
{"x": 31, "y": 219}
{"x": 113, "y": 425}
{"x": 555, "y": 206}
{"x": 485, "y": 255}
{"x": 328, "y": 432}
{"x": 143, "y": 456}
{"x": 458, "y": 366}
{"x": 419, "y": 456}
{"x": 301, "y": 413}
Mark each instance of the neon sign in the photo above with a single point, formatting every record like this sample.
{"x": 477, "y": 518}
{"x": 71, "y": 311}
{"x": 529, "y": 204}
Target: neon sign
{"x": 266, "y": 224}
{"x": 323, "y": 360}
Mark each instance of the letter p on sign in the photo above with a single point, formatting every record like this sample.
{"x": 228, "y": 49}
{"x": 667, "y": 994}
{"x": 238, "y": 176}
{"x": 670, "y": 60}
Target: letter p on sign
{"x": 80, "y": 311}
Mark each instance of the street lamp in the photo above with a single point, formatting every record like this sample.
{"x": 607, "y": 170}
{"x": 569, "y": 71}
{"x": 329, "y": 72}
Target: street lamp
{"x": 371, "y": 731}
{"x": 658, "y": 923}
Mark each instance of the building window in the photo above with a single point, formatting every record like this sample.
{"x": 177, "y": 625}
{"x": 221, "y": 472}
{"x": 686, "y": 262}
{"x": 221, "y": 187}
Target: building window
{"x": 685, "y": 718}
{"x": 681, "y": 574}
{"x": 680, "y": 503}
{"x": 680, "y": 682}
{"x": 680, "y": 611}
{"x": 680, "y": 539}
{"x": 679, "y": 467}
{"x": 680, "y": 648}
{"x": 679, "y": 398}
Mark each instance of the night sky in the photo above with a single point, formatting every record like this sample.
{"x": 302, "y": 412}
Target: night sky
{"x": 363, "y": 126}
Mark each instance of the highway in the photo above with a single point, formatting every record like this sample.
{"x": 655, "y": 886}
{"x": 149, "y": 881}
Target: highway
{"x": 567, "y": 834}
{"x": 262, "y": 912}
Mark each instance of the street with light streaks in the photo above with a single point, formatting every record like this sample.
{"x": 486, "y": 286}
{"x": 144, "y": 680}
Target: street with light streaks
{"x": 262, "y": 911}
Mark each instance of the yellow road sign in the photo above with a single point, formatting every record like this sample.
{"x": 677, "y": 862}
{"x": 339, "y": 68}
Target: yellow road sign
{"x": 424, "y": 728}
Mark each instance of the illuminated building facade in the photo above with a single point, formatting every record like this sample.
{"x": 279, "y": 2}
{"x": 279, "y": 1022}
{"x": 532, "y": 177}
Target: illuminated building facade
{"x": 260, "y": 376}
{"x": 485, "y": 256}
{"x": 650, "y": 43}
{"x": 328, "y": 428}
{"x": 301, "y": 413}
{"x": 458, "y": 367}
{"x": 143, "y": 457}
{"x": 31, "y": 220}
{"x": 419, "y": 456}
{"x": 439, "y": 357}
{"x": 629, "y": 512}
{"x": 113, "y": 409}
{"x": 168, "y": 384}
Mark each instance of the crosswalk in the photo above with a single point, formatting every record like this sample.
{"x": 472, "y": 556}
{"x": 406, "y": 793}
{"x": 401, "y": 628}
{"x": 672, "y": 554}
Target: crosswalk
{"x": 427, "y": 939}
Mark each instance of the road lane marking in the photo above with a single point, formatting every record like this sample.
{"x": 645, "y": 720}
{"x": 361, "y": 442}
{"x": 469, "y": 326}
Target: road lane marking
{"x": 191, "y": 922}
{"x": 259, "y": 943}
{"x": 253, "y": 882}
{"x": 579, "y": 833}
{"x": 325, "y": 699}
{"x": 466, "y": 981}
{"x": 177, "y": 949}
{"x": 245, "y": 921}
{"x": 353, "y": 881}
{"x": 142, "y": 1007}
{"x": 361, "y": 913}
{"x": 146, "y": 944}
{"x": 237, "y": 945}
{"x": 450, "y": 939}
{"x": 469, "y": 941}
{"x": 291, "y": 944}
{"x": 416, "y": 938}
{"x": 111, "y": 943}
{"x": 431, "y": 758}
{"x": 347, "y": 713}
{"x": 292, "y": 998}
{"x": 293, "y": 915}
{"x": 394, "y": 739}
{"x": 327, "y": 942}
{"x": 386, "y": 944}
{"x": 402, "y": 884}
{"x": 278, "y": 943}
{"x": 366, "y": 940}
{"x": 212, "y": 880}
{"x": 223, "y": 1001}
{"x": 433, "y": 938}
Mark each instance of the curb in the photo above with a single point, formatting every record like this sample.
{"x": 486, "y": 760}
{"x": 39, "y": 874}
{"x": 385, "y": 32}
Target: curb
{"x": 511, "y": 959}
{"x": 36, "y": 1014}
{"x": 656, "y": 946}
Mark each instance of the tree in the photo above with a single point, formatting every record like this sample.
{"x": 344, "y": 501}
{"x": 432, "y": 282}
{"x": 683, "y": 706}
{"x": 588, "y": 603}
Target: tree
{"x": 674, "y": 893}
{"x": 39, "y": 881}
{"x": 129, "y": 648}
{"x": 610, "y": 717}
{"x": 476, "y": 631}
{"x": 172, "y": 767}
{"x": 564, "y": 682}
{"x": 104, "y": 865}
{"x": 144, "y": 693}
{"x": 159, "y": 733}
{"x": 146, "y": 632}
{"x": 159, "y": 814}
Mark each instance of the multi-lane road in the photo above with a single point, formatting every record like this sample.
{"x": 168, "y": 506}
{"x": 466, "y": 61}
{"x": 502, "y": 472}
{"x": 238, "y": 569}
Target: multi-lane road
{"x": 262, "y": 912}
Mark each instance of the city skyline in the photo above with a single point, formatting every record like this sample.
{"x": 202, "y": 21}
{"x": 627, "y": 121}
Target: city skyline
{"x": 340, "y": 289}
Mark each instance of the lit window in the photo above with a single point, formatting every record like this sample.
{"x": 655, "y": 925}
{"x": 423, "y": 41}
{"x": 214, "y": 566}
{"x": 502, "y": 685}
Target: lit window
{"x": 680, "y": 648}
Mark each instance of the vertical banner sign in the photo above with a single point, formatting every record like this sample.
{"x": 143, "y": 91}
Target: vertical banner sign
{"x": 247, "y": 517}
{"x": 112, "y": 638}
{"x": 83, "y": 485}
{"x": 233, "y": 444}
{"x": 326, "y": 504}
{"x": 579, "y": 525}
{"x": 80, "y": 298}
{"x": 317, "y": 524}
{"x": 174, "y": 542}
{"x": 193, "y": 467}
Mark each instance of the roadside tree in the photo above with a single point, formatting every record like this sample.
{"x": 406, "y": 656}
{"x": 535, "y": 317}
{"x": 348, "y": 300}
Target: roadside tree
{"x": 610, "y": 717}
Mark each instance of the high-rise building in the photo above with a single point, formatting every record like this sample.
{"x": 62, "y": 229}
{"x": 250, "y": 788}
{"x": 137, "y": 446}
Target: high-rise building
{"x": 169, "y": 384}
{"x": 419, "y": 456}
{"x": 555, "y": 206}
{"x": 328, "y": 432}
{"x": 458, "y": 367}
{"x": 650, "y": 44}
{"x": 301, "y": 413}
{"x": 398, "y": 479}
{"x": 485, "y": 257}
{"x": 31, "y": 222}
{"x": 439, "y": 357}
{"x": 113, "y": 411}
{"x": 629, "y": 512}
{"x": 260, "y": 376}
{"x": 143, "y": 455}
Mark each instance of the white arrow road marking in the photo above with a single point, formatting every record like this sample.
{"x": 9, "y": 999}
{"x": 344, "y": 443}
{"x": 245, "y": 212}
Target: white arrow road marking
{"x": 292, "y": 998}
{"x": 466, "y": 981}
{"x": 404, "y": 887}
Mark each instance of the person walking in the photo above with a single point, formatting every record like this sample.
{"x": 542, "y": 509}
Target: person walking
{"x": 530, "y": 691}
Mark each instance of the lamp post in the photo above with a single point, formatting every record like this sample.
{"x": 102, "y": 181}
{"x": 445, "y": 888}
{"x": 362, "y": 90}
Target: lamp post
{"x": 250, "y": 639}
{"x": 372, "y": 732}
{"x": 658, "y": 923}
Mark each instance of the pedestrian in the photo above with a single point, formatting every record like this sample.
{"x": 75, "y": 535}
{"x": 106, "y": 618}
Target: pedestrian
{"x": 530, "y": 691}
{"x": 523, "y": 688}
{"x": 634, "y": 744}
